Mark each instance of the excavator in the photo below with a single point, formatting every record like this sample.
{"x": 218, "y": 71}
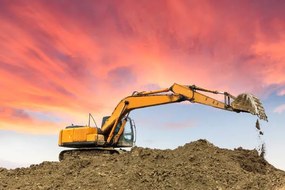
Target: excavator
{"x": 118, "y": 130}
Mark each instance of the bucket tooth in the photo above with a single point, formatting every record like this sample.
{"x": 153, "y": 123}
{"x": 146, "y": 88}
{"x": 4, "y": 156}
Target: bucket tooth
{"x": 249, "y": 103}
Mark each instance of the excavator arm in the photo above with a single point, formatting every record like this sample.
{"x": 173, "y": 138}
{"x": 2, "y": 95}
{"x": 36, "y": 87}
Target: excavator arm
{"x": 178, "y": 93}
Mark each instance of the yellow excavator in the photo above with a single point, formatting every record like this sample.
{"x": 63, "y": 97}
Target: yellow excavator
{"x": 118, "y": 130}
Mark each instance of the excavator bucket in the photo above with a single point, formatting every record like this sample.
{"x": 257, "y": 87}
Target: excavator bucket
{"x": 249, "y": 103}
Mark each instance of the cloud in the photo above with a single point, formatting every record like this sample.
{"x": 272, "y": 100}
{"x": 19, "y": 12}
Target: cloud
{"x": 68, "y": 58}
{"x": 30, "y": 121}
{"x": 13, "y": 113}
{"x": 180, "y": 124}
{"x": 121, "y": 77}
{"x": 281, "y": 92}
{"x": 279, "y": 109}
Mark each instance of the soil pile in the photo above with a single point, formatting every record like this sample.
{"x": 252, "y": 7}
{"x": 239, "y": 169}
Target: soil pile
{"x": 196, "y": 165}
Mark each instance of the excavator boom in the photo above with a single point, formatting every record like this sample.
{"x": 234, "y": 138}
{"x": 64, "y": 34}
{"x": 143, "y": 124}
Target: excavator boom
{"x": 178, "y": 93}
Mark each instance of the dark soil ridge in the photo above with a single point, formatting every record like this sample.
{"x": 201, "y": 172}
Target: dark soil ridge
{"x": 196, "y": 165}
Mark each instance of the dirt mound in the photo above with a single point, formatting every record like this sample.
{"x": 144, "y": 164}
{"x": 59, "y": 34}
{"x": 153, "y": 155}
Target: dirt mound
{"x": 196, "y": 165}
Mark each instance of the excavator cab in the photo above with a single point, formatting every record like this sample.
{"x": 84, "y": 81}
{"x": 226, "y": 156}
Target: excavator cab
{"x": 128, "y": 138}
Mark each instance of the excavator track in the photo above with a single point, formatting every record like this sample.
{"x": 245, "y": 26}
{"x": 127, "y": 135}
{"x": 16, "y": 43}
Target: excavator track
{"x": 87, "y": 152}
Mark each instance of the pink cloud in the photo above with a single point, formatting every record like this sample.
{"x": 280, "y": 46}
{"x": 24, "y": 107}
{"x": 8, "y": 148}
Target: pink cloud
{"x": 281, "y": 93}
{"x": 180, "y": 125}
{"x": 279, "y": 109}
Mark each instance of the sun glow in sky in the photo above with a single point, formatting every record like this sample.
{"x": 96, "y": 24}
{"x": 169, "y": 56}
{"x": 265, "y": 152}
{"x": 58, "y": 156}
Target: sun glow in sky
{"x": 60, "y": 60}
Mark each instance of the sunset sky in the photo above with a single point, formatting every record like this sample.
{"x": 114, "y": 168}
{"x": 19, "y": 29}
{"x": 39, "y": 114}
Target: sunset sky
{"x": 60, "y": 60}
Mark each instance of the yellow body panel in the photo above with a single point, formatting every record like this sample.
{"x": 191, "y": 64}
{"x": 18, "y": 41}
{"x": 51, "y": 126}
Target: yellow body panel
{"x": 80, "y": 134}
{"x": 67, "y": 135}
{"x": 91, "y": 137}
{"x": 60, "y": 138}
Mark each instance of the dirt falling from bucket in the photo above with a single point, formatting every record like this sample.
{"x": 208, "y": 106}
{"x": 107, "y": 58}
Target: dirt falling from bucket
{"x": 261, "y": 145}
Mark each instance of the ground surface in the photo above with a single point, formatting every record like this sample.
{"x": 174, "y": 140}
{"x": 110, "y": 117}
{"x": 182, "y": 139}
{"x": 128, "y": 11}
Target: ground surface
{"x": 196, "y": 165}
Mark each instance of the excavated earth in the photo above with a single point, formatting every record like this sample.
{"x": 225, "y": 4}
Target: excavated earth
{"x": 196, "y": 165}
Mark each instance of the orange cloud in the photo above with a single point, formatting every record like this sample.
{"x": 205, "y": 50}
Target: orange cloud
{"x": 69, "y": 58}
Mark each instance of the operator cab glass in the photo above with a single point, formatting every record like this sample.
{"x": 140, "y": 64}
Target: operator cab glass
{"x": 128, "y": 137}
{"x": 128, "y": 132}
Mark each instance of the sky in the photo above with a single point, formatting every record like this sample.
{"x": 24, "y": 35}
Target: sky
{"x": 61, "y": 60}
